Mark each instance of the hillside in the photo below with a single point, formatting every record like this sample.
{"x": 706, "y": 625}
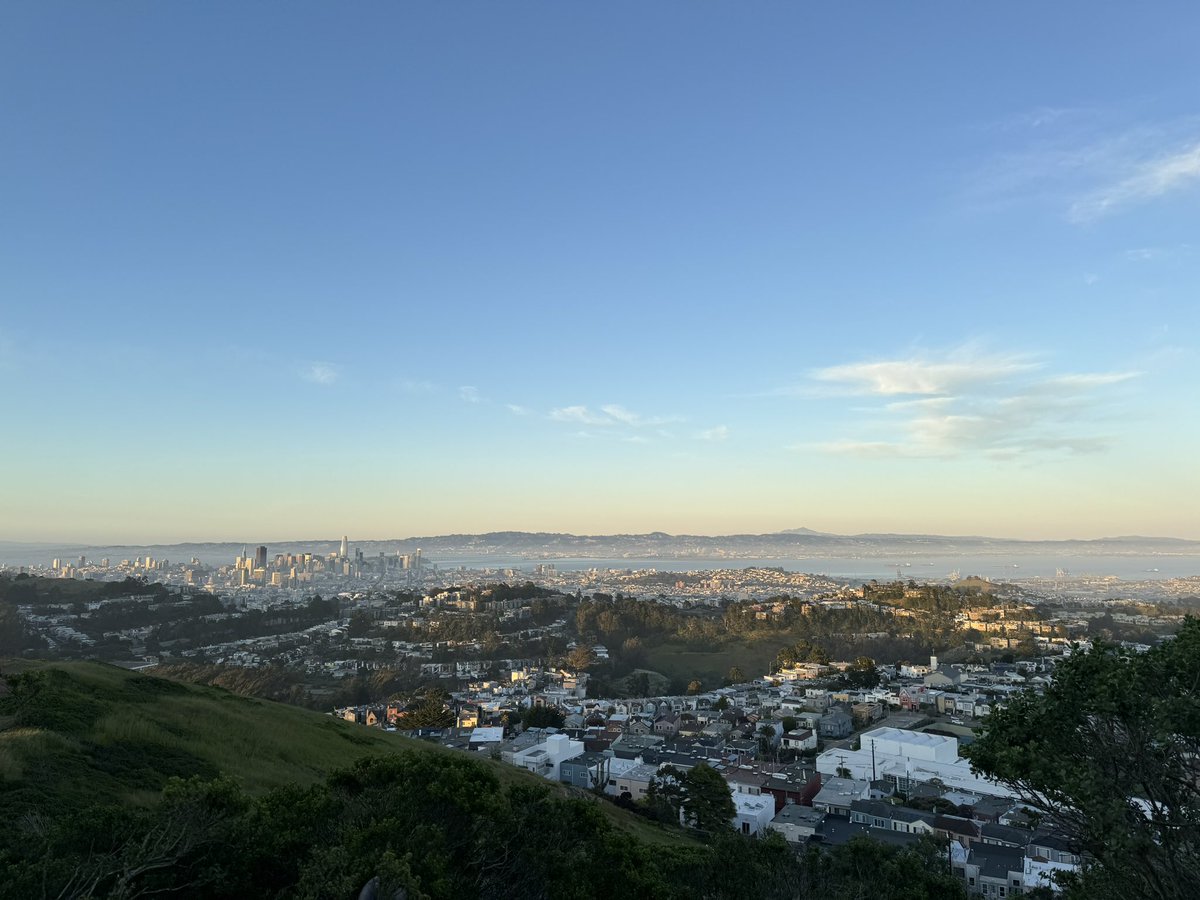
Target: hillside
{"x": 102, "y": 733}
{"x": 118, "y": 784}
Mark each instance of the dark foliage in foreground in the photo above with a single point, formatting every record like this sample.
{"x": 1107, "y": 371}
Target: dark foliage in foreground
{"x": 436, "y": 825}
{"x": 1109, "y": 755}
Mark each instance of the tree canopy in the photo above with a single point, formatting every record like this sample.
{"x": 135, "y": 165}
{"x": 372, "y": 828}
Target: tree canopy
{"x": 1109, "y": 755}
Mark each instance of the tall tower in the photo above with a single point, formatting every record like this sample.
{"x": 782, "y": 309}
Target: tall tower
{"x": 345, "y": 547}
{"x": 260, "y": 557}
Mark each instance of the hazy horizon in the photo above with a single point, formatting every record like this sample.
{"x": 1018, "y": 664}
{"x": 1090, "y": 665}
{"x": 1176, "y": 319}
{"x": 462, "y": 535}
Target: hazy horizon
{"x": 368, "y": 539}
{"x": 598, "y": 269}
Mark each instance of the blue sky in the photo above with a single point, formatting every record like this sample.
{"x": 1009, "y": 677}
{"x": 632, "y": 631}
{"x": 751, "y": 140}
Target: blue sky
{"x": 274, "y": 272}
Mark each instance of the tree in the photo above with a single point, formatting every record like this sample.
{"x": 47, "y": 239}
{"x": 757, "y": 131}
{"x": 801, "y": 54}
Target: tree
{"x": 544, "y": 717}
{"x": 736, "y": 675}
{"x": 1109, "y": 755}
{"x": 360, "y": 624}
{"x": 790, "y": 723}
{"x": 868, "y": 868}
{"x": 694, "y": 686}
{"x": 428, "y": 713}
{"x": 766, "y": 738}
{"x": 707, "y": 803}
{"x": 580, "y": 658}
{"x": 633, "y": 651}
{"x": 722, "y": 704}
{"x": 664, "y": 795}
{"x": 861, "y": 674}
{"x": 639, "y": 684}
{"x": 12, "y": 630}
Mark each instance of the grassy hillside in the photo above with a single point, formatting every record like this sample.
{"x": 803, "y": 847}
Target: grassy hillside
{"x": 106, "y": 731}
{"x": 101, "y": 733}
{"x": 753, "y": 656}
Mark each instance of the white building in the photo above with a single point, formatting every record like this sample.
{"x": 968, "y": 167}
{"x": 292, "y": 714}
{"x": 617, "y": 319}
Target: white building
{"x": 907, "y": 757}
{"x": 547, "y": 757}
{"x": 754, "y": 811}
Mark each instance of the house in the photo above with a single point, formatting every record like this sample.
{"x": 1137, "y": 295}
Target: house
{"x": 836, "y": 831}
{"x": 1046, "y": 855}
{"x": 587, "y": 771}
{"x": 944, "y": 677}
{"x": 794, "y": 784}
{"x": 998, "y": 835}
{"x": 485, "y": 740}
{"x": 797, "y": 823}
{"x": 574, "y": 720}
{"x": 838, "y": 794}
{"x": 546, "y": 758}
{"x": 667, "y": 725}
{"x": 633, "y": 784}
{"x": 835, "y": 724}
{"x": 958, "y": 829}
{"x": 754, "y": 812}
{"x": 817, "y": 699}
{"x": 877, "y": 814}
{"x": 633, "y": 746}
{"x": 808, "y": 720}
{"x": 638, "y": 726}
{"x": 866, "y": 713}
{"x": 799, "y": 740}
{"x": 993, "y": 872}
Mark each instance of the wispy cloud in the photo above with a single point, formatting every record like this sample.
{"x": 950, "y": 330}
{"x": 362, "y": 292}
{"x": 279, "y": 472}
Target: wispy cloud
{"x": 1086, "y": 380}
{"x": 1087, "y": 164}
{"x": 1002, "y": 407}
{"x": 321, "y": 373}
{"x": 1147, "y": 180}
{"x": 579, "y": 415}
{"x": 609, "y": 416}
{"x": 625, "y": 417}
{"x": 517, "y": 410}
{"x": 718, "y": 433}
{"x": 469, "y": 394}
{"x": 1039, "y": 117}
{"x": 924, "y": 375}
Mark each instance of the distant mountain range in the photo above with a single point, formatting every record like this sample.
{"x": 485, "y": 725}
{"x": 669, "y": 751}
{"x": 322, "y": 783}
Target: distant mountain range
{"x": 790, "y": 544}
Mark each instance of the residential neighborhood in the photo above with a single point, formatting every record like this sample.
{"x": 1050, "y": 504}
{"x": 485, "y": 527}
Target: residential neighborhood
{"x": 818, "y": 766}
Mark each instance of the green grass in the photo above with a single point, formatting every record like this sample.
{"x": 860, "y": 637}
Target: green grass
{"x": 753, "y": 656}
{"x": 102, "y": 733}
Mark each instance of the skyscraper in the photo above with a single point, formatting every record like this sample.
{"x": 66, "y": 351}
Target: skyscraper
{"x": 345, "y": 547}
{"x": 260, "y": 558}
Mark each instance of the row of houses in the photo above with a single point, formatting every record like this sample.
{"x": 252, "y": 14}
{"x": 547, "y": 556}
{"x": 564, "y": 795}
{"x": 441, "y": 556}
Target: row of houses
{"x": 990, "y": 845}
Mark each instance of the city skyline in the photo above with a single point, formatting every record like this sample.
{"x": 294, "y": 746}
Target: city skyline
{"x": 598, "y": 271}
